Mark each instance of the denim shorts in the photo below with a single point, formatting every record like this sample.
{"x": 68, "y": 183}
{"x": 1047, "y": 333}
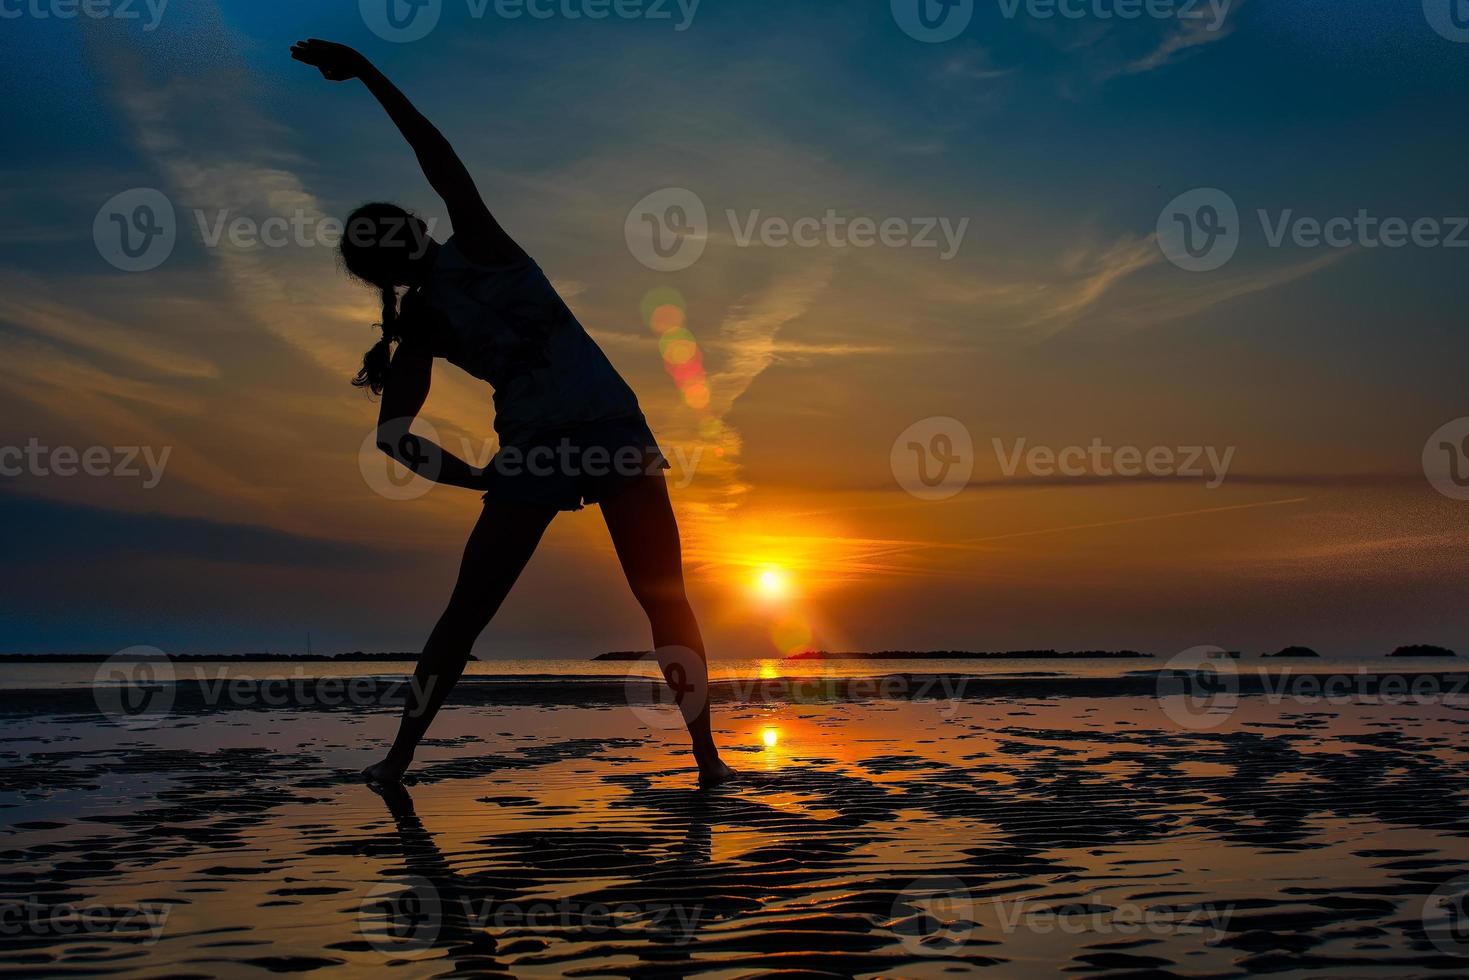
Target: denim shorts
{"x": 583, "y": 464}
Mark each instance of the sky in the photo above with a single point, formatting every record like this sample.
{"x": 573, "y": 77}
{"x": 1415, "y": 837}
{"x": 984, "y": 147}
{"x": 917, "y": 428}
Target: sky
{"x": 1022, "y": 307}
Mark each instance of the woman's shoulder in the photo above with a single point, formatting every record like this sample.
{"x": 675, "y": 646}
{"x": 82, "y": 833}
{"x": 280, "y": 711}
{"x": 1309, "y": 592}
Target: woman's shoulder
{"x": 455, "y": 256}
{"x": 459, "y": 278}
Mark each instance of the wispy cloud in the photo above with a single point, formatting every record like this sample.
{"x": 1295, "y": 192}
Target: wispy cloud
{"x": 29, "y": 304}
{"x": 1366, "y": 555}
{"x": 1140, "y": 519}
{"x": 748, "y": 340}
{"x": 1099, "y": 272}
{"x": 748, "y": 333}
{"x": 1186, "y": 37}
{"x": 1123, "y": 284}
{"x": 977, "y": 65}
{"x": 1194, "y": 295}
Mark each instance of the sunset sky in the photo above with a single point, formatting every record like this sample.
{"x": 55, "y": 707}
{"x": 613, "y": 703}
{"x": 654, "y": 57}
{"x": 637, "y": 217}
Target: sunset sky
{"x": 1059, "y": 320}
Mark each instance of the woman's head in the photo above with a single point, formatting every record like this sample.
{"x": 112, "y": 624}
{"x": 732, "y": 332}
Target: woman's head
{"x": 386, "y": 247}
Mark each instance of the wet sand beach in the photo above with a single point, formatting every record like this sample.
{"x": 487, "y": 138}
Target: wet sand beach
{"x": 1015, "y": 831}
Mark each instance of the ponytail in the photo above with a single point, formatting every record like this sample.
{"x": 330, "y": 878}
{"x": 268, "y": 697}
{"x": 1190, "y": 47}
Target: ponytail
{"x": 374, "y": 372}
{"x": 375, "y": 251}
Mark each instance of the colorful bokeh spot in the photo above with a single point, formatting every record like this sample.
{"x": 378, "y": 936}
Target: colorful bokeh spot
{"x": 678, "y": 347}
{"x": 712, "y": 431}
{"x": 791, "y": 634}
{"x": 666, "y": 318}
{"x": 666, "y": 314}
{"x": 696, "y": 396}
{"x": 657, "y": 299}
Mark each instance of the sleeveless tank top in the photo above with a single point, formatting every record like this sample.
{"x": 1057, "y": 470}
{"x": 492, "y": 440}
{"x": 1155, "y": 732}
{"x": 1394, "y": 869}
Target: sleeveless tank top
{"x": 507, "y": 325}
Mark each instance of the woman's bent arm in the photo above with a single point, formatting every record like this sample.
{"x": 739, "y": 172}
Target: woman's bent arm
{"x": 404, "y": 393}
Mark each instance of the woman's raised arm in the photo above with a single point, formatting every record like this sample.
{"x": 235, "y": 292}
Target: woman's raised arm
{"x": 476, "y": 231}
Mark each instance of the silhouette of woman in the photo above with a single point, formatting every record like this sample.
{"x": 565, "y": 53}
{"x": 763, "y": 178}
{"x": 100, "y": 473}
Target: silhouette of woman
{"x": 569, "y": 427}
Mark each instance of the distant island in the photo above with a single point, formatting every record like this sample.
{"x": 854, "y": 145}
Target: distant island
{"x": 974, "y": 655}
{"x": 1294, "y": 652}
{"x": 1422, "y": 650}
{"x": 927, "y": 655}
{"x": 250, "y": 658}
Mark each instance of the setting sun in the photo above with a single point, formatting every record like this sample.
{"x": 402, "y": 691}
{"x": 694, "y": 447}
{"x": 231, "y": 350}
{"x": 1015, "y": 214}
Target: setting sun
{"x": 773, "y": 583}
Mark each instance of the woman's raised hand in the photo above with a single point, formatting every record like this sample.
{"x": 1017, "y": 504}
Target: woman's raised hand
{"x": 336, "y": 62}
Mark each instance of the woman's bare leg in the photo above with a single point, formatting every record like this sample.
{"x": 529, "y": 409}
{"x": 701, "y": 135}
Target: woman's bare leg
{"x": 501, "y": 543}
{"x": 645, "y": 535}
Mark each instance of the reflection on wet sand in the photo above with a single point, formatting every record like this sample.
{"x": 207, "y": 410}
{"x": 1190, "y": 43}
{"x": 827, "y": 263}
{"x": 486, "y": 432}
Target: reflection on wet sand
{"x": 880, "y": 838}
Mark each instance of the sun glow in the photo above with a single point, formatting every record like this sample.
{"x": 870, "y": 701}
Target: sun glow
{"x": 770, "y": 736}
{"x": 773, "y": 583}
{"x": 779, "y": 574}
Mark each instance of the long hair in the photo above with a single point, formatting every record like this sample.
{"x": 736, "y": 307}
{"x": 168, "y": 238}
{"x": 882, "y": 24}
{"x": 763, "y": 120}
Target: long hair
{"x": 374, "y": 371}
{"x": 379, "y": 242}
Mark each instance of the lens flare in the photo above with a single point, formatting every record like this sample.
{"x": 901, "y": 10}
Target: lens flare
{"x": 696, "y": 396}
{"x": 665, "y": 313}
{"x": 690, "y": 372}
{"x": 678, "y": 347}
{"x": 666, "y": 318}
{"x": 791, "y": 634}
{"x": 656, "y": 299}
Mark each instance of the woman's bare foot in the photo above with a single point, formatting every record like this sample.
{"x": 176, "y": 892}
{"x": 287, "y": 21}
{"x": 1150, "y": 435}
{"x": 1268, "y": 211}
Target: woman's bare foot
{"x": 715, "y": 774}
{"x": 389, "y": 772}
